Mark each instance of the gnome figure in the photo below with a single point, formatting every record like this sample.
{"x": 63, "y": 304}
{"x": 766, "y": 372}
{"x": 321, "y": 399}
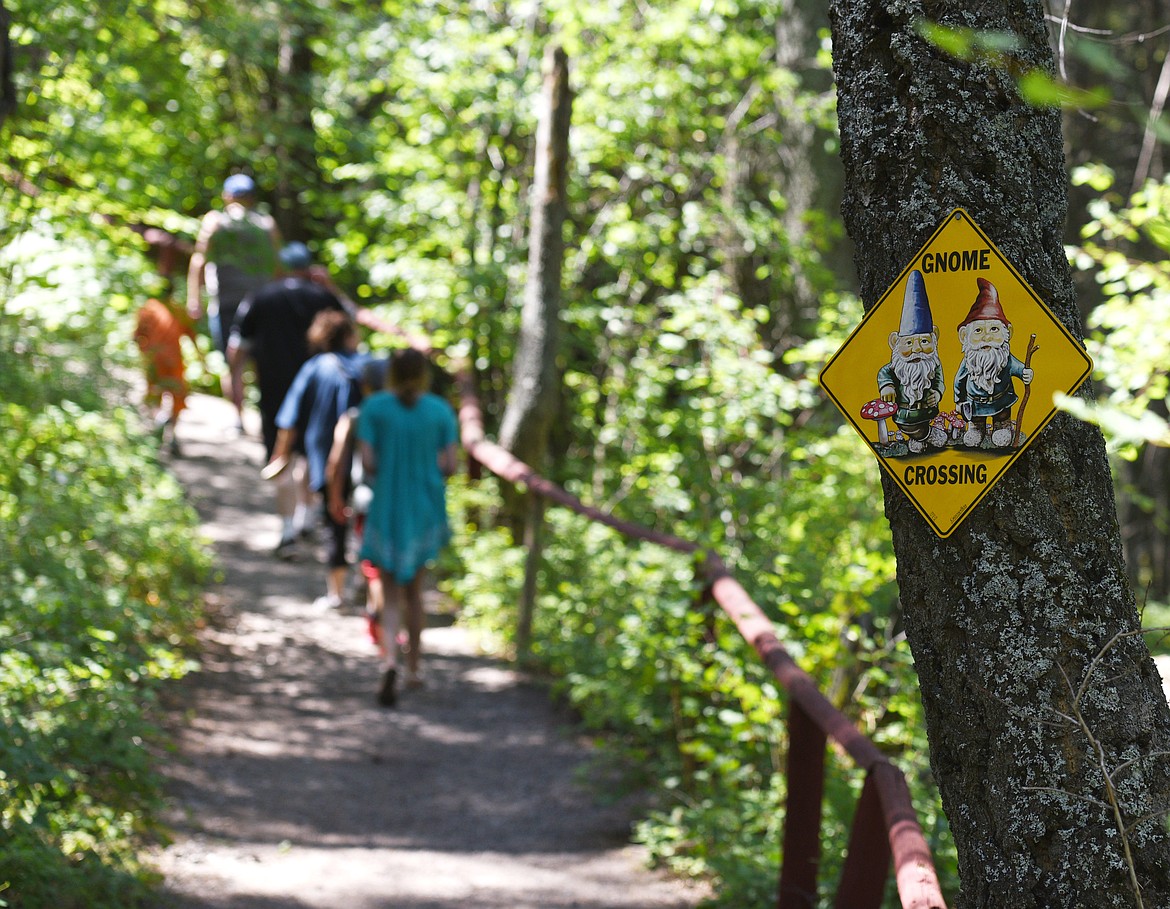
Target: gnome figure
{"x": 983, "y": 384}
{"x": 913, "y": 379}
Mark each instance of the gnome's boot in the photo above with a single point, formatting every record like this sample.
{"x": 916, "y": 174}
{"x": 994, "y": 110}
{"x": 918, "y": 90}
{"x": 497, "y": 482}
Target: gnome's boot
{"x": 973, "y": 437}
{"x": 1002, "y": 432}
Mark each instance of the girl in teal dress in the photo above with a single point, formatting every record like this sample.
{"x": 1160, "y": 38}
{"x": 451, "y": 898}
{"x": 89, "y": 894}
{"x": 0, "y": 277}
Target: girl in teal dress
{"x": 408, "y": 442}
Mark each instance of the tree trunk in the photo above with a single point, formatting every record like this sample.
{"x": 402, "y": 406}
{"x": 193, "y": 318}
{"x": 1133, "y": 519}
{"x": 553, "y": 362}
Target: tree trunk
{"x": 531, "y": 407}
{"x": 1048, "y": 728}
{"x": 534, "y": 543}
{"x": 799, "y": 170}
{"x": 293, "y": 102}
{"x": 7, "y": 91}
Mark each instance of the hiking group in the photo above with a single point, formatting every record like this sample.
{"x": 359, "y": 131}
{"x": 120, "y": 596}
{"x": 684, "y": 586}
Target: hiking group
{"x": 353, "y": 440}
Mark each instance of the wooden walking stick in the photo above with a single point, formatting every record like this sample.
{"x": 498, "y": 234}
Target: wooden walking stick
{"x": 1032, "y": 348}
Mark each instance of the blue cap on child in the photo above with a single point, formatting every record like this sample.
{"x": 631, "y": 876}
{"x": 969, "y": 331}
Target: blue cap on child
{"x": 296, "y": 255}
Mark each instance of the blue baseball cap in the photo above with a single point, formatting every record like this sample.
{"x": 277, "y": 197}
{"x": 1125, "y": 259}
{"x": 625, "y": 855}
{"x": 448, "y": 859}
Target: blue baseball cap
{"x": 296, "y": 255}
{"x": 239, "y": 185}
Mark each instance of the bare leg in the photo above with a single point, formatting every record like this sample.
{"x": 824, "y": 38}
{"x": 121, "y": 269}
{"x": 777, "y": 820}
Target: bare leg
{"x": 170, "y": 434}
{"x": 286, "y": 495}
{"x": 305, "y": 514}
{"x": 293, "y": 499}
{"x": 232, "y": 386}
{"x": 391, "y": 617}
{"x": 414, "y": 624}
{"x": 335, "y": 583}
{"x": 388, "y": 694}
{"x": 375, "y": 604}
{"x": 288, "y": 491}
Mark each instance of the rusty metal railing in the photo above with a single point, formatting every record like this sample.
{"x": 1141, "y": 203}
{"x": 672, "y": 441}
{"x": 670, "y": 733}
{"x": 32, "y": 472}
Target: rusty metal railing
{"x": 885, "y": 827}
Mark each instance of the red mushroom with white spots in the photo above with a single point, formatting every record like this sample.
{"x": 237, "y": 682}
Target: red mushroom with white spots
{"x": 879, "y": 410}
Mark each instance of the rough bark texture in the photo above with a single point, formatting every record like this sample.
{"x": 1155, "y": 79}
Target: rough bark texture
{"x": 1016, "y": 611}
{"x": 532, "y": 402}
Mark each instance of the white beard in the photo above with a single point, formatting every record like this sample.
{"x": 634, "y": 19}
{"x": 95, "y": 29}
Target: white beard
{"x": 985, "y": 365}
{"x": 915, "y": 375}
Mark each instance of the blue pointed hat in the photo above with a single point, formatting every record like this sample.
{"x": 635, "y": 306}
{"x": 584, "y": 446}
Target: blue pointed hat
{"x": 916, "y": 317}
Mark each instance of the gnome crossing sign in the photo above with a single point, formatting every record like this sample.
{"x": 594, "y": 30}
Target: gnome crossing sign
{"x": 952, "y": 374}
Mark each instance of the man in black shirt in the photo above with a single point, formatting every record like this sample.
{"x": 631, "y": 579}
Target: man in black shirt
{"x": 270, "y": 328}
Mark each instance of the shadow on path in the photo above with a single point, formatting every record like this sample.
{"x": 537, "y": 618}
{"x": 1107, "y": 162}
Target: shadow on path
{"x": 291, "y": 789}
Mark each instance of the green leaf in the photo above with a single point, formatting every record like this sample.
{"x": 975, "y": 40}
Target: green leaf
{"x": 1121, "y": 428}
{"x": 956, "y": 42}
{"x": 1158, "y": 230}
{"x": 1039, "y": 88}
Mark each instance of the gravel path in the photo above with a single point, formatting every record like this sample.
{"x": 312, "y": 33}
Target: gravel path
{"x": 291, "y": 789}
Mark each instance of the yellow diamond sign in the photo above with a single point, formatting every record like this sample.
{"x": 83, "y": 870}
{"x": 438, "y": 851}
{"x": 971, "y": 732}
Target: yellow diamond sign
{"x": 952, "y": 375}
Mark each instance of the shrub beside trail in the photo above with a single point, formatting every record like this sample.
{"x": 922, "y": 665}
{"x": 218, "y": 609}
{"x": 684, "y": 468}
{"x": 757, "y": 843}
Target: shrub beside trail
{"x": 100, "y": 578}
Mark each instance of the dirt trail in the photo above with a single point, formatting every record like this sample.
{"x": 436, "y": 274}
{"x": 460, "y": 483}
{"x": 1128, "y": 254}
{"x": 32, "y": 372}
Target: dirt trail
{"x": 292, "y": 789}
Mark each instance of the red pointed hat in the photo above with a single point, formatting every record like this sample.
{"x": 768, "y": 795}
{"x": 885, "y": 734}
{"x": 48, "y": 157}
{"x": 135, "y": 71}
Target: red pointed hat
{"x": 986, "y": 305}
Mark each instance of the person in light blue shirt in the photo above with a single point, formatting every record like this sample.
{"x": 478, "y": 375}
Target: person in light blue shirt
{"x": 325, "y": 387}
{"x": 408, "y": 439}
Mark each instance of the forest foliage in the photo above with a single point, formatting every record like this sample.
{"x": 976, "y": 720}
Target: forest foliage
{"x": 707, "y": 279}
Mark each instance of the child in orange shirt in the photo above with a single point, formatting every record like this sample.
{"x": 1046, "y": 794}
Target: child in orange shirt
{"x": 158, "y": 330}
